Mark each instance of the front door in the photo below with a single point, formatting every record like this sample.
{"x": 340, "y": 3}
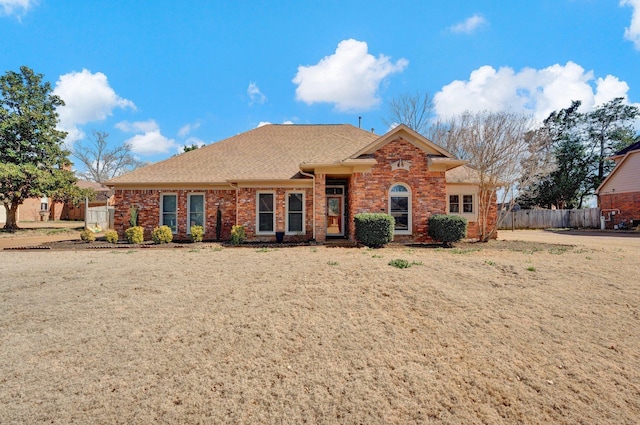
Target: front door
{"x": 335, "y": 214}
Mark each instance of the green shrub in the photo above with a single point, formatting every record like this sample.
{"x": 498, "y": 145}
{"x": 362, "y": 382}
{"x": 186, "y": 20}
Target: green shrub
{"x": 162, "y": 235}
{"x": 447, "y": 228}
{"x": 111, "y": 236}
{"x": 134, "y": 234}
{"x": 87, "y": 235}
{"x": 238, "y": 235}
{"x": 374, "y": 230}
{"x": 400, "y": 263}
{"x": 133, "y": 216}
{"x": 197, "y": 233}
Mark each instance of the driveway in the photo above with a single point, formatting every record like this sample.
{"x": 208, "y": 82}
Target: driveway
{"x": 35, "y": 233}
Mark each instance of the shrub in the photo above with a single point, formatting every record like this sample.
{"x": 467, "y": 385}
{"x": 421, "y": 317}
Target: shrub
{"x": 238, "y": 235}
{"x": 374, "y": 229}
{"x": 447, "y": 228}
{"x": 111, "y": 236}
{"x": 197, "y": 233}
{"x": 133, "y": 216}
{"x": 134, "y": 234}
{"x": 400, "y": 263}
{"x": 162, "y": 235}
{"x": 87, "y": 235}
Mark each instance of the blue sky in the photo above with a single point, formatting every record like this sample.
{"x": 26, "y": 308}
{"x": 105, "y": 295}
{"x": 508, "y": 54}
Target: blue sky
{"x": 161, "y": 74}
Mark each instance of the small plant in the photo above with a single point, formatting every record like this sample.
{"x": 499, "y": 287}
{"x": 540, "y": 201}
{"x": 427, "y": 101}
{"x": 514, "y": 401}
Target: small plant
{"x": 263, "y": 249}
{"x": 400, "y": 263}
{"x": 218, "y": 223}
{"x": 238, "y": 235}
{"x": 162, "y": 235}
{"x": 133, "y": 216}
{"x": 417, "y": 263}
{"x": 87, "y": 235}
{"x": 447, "y": 229}
{"x": 197, "y": 233}
{"x": 332, "y": 263}
{"x": 531, "y": 269}
{"x": 134, "y": 234}
{"x": 111, "y": 236}
{"x": 490, "y": 263}
{"x": 376, "y": 256}
{"x": 374, "y": 230}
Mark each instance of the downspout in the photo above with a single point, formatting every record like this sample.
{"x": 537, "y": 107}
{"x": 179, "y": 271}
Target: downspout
{"x": 313, "y": 178}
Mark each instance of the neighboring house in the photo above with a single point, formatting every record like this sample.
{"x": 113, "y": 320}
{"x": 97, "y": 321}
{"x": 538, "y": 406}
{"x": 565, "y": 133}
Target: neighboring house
{"x": 44, "y": 208}
{"x": 307, "y": 181}
{"x": 619, "y": 193}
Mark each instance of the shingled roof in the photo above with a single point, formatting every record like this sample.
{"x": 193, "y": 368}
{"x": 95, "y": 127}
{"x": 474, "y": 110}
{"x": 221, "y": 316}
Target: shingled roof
{"x": 270, "y": 152}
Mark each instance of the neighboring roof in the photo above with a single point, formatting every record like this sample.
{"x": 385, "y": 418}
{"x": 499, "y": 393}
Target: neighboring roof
{"x": 270, "y": 152}
{"x": 633, "y": 147}
{"x": 630, "y": 165}
{"x": 98, "y": 187}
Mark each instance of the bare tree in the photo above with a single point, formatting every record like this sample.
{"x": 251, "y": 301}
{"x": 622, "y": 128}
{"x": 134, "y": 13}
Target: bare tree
{"x": 411, "y": 109}
{"x": 101, "y": 162}
{"x": 502, "y": 150}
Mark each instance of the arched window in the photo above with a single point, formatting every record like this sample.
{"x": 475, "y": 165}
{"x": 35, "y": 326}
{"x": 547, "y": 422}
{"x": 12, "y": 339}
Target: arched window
{"x": 400, "y": 208}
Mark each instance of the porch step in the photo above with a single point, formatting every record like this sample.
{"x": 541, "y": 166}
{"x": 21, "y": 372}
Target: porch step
{"x": 342, "y": 243}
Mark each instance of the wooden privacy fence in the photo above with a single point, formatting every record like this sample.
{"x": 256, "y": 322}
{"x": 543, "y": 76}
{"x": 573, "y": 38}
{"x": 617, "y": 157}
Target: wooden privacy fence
{"x": 102, "y": 216}
{"x": 547, "y": 219}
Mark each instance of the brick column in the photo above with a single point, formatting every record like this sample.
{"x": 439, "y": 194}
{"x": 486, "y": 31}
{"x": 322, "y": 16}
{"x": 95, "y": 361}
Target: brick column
{"x": 319, "y": 195}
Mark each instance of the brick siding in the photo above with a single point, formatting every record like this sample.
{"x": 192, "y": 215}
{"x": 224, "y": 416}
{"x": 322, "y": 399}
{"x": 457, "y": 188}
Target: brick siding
{"x": 628, "y": 203}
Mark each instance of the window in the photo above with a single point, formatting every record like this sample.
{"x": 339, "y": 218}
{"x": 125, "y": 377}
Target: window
{"x": 400, "y": 208}
{"x": 454, "y": 203}
{"x": 461, "y": 204}
{"x": 196, "y": 211}
{"x": 266, "y": 213}
{"x": 170, "y": 212}
{"x": 295, "y": 212}
{"x": 44, "y": 204}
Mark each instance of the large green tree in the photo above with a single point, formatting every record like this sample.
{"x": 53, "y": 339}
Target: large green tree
{"x": 33, "y": 160}
{"x": 610, "y": 129}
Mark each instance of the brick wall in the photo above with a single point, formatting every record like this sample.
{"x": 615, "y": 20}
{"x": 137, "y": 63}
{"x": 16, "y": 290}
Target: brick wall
{"x": 628, "y": 203}
{"x": 369, "y": 192}
{"x": 247, "y": 198}
{"x": 148, "y": 203}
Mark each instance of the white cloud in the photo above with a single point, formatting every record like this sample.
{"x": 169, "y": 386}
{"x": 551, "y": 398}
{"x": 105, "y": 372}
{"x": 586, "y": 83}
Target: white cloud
{"x": 349, "y": 78}
{"x": 16, "y": 7}
{"x": 151, "y": 141}
{"x": 470, "y": 24}
{"x": 188, "y": 128}
{"x": 263, "y": 123}
{"x": 255, "y": 95}
{"x": 88, "y": 97}
{"x": 632, "y": 32}
{"x": 529, "y": 91}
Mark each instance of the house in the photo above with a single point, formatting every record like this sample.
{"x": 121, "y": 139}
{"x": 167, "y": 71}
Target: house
{"x": 619, "y": 193}
{"x": 307, "y": 181}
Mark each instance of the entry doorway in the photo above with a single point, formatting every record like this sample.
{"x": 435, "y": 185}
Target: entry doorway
{"x": 335, "y": 210}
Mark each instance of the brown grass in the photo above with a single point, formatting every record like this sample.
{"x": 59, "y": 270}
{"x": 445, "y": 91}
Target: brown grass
{"x": 500, "y": 333}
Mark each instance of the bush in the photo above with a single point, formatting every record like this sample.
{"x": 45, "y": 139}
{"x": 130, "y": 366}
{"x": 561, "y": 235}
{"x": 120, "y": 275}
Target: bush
{"x": 134, "y": 234}
{"x": 400, "y": 263}
{"x": 374, "y": 230}
{"x": 111, "y": 236}
{"x": 87, "y": 235}
{"x": 197, "y": 233}
{"x": 238, "y": 235}
{"x": 162, "y": 235}
{"x": 447, "y": 228}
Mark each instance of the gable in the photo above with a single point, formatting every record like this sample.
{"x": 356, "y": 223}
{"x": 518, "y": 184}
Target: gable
{"x": 402, "y": 132}
{"x": 625, "y": 177}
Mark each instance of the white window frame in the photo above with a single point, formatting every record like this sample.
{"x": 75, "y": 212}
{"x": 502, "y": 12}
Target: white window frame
{"x": 406, "y": 194}
{"x": 204, "y": 210}
{"x": 265, "y": 192}
{"x": 287, "y": 231}
{"x": 162, "y": 195}
{"x": 471, "y": 216}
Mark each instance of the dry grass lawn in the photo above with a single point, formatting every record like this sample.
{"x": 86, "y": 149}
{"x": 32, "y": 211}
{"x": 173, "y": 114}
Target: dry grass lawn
{"x": 501, "y": 333}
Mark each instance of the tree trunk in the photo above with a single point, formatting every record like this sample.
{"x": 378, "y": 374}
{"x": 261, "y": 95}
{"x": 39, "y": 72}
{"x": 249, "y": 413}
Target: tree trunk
{"x": 12, "y": 214}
